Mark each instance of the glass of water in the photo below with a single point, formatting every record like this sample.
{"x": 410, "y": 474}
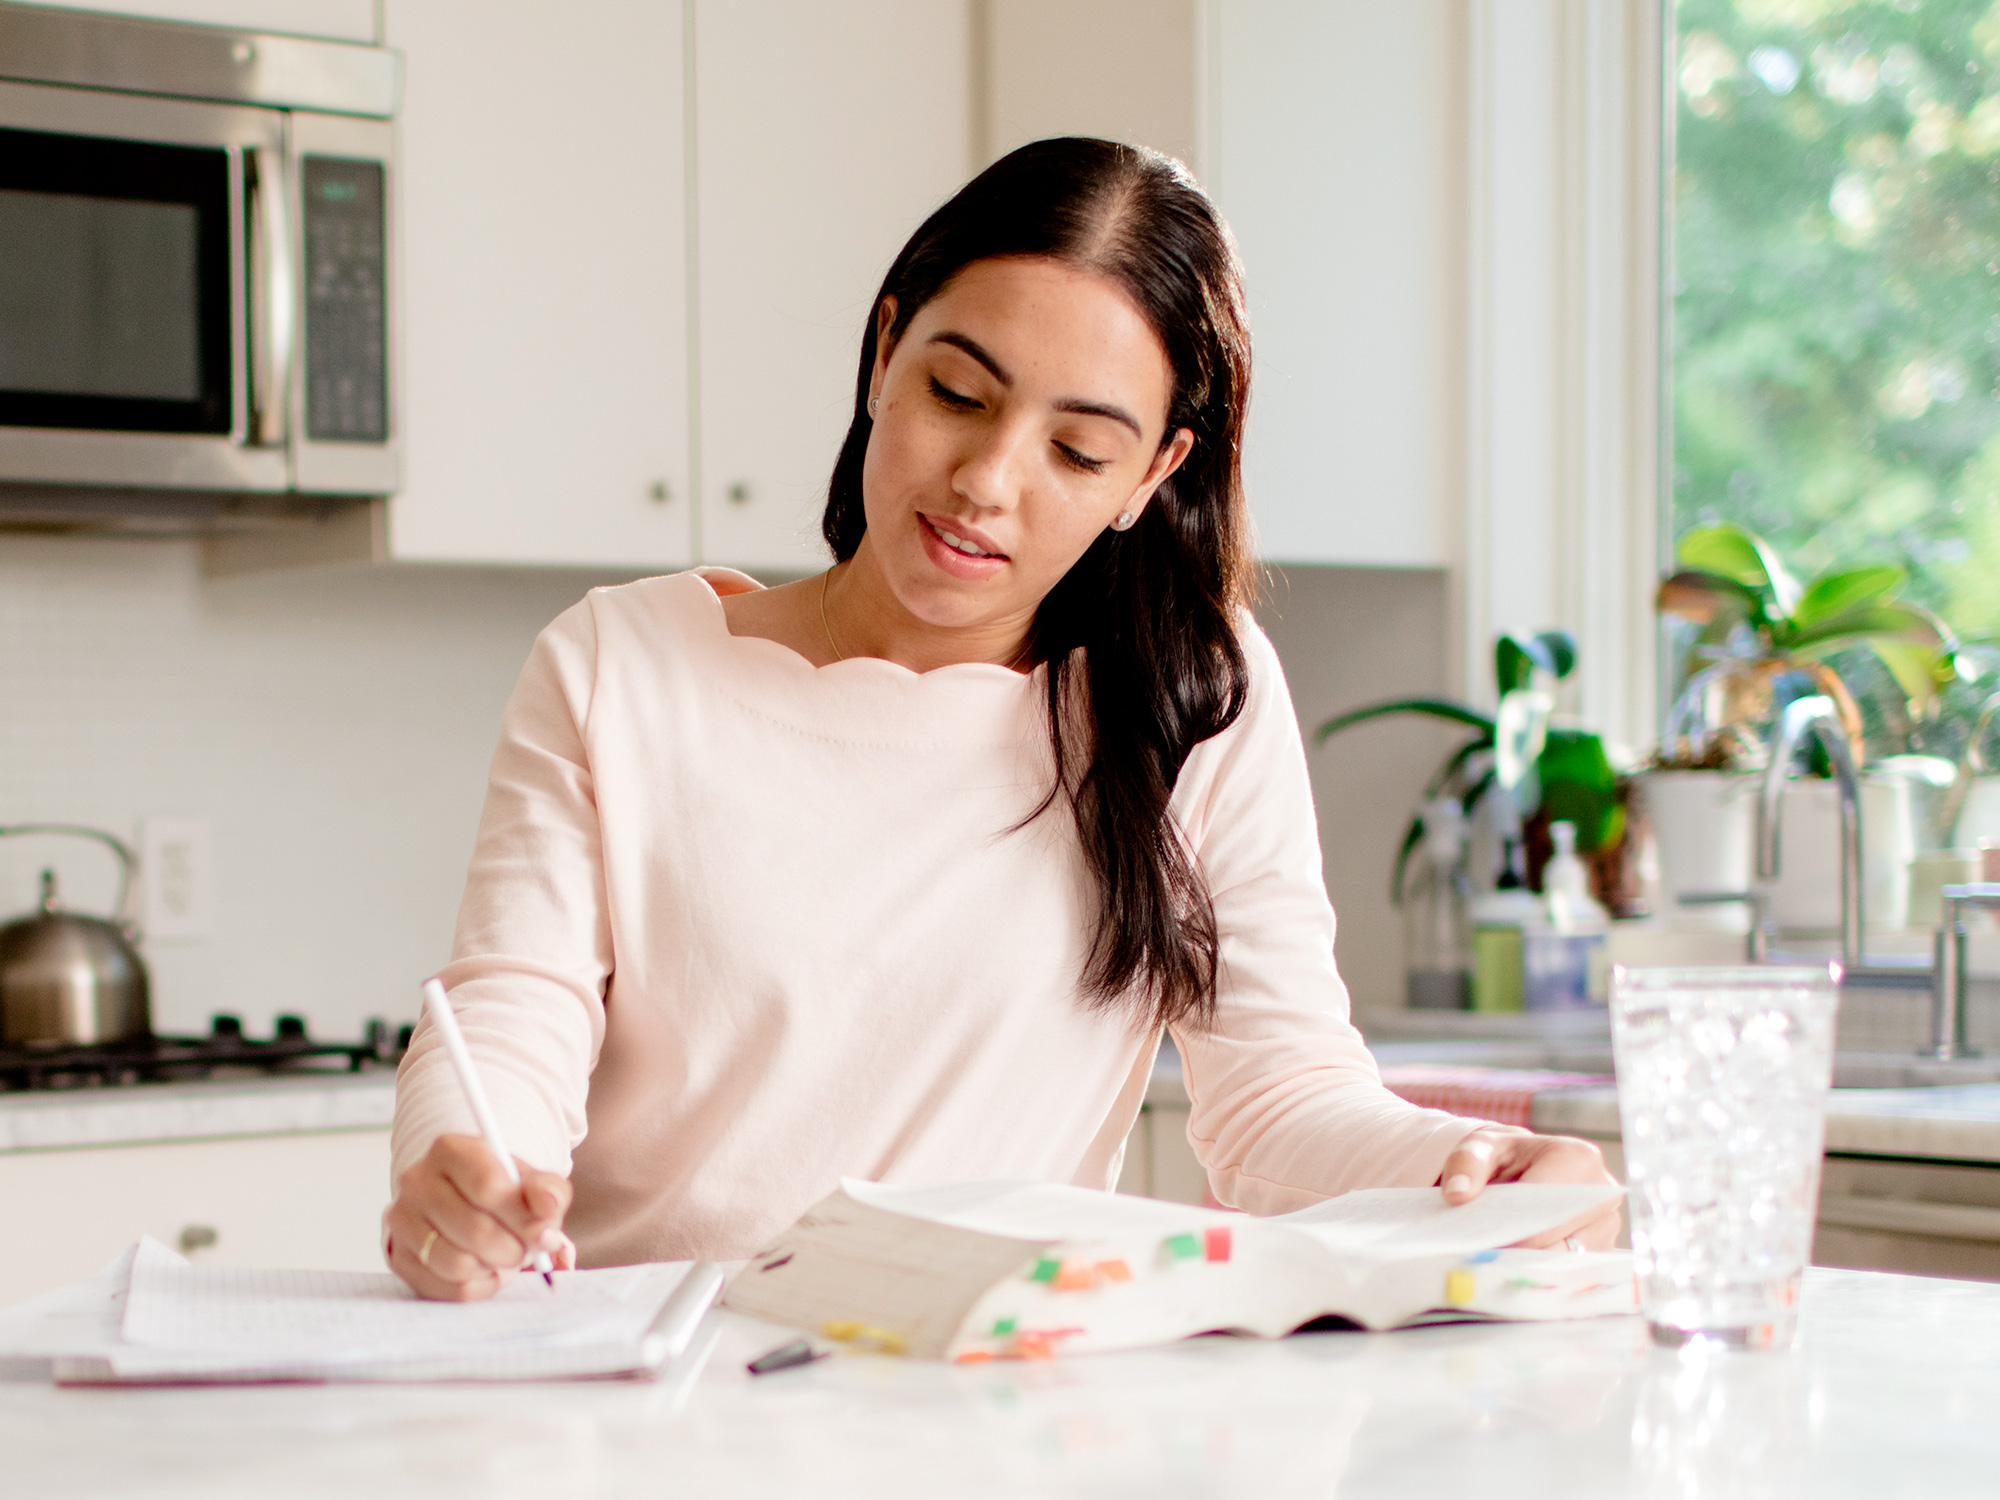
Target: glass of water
{"x": 1722, "y": 1080}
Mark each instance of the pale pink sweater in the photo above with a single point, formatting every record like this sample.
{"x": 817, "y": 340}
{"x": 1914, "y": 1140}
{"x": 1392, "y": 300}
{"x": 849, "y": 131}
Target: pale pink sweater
{"x": 736, "y": 926}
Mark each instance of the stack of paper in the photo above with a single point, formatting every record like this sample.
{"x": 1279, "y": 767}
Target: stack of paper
{"x": 153, "y": 1317}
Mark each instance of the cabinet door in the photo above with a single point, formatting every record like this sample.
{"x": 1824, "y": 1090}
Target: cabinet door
{"x": 312, "y": 1201}
{"x": 1343, "y": 196}
{"x": 824, "y": 135}
{"x": 544, "y": 283}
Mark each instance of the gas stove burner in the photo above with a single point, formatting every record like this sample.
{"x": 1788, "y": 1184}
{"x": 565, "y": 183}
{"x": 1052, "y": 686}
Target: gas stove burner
{"x": 175, "y": 1059}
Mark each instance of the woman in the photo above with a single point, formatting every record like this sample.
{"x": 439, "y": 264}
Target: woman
{"x": 901, "y": 871}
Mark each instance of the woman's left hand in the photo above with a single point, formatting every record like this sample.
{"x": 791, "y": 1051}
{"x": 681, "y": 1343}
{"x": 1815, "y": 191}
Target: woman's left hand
{"x": 1515, "y": 1156}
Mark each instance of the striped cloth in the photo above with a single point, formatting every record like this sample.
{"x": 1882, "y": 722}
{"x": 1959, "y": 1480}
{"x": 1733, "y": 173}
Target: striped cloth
{"x": 1504, "y": 1095}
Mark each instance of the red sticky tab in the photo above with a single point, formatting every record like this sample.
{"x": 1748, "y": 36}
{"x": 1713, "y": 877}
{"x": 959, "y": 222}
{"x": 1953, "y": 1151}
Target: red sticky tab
{"x": 1215, "y": 1242}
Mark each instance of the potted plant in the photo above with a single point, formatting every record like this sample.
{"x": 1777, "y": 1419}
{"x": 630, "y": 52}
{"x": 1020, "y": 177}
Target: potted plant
{"x": 1549, "y": 773}
{"x": 1761, "y": 638}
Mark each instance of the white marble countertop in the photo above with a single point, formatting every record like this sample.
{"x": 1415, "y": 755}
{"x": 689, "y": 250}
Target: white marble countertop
{"x": 207, "y": 1109}
{"x": 1960, "y": 1123}
{"x": 1891, "y": 1392}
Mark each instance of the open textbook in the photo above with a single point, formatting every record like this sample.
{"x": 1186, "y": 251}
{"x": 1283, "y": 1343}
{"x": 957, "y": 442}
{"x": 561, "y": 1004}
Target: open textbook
{"x": 1014, "y": 1269}
{"x": 153, "y": 1317}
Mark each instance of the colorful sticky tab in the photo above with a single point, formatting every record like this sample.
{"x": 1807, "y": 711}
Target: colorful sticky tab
{"x": 1215, "y": 1242}
{"x": 1482, "y": 1257}
{"x": 1182, "y": 1246}
{"x": 1005, "y": 1326}
{"x": 1459, "y": 1288}
{"x": 844, "y": 1331}
{"x": 1045, "y": 1270}
{"x": 1113, "y": 1270}
{"x": 1075, "y": 1276}
{"x": 974, "y": 1357}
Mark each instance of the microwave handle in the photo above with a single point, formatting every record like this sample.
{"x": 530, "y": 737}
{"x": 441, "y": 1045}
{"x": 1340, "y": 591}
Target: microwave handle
{"x": 273, "y": 295}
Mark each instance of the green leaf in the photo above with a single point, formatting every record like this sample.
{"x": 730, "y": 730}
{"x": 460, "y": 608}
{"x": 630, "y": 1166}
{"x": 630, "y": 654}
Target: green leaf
{"x": 1707, "y": 597}
{"x": 1561, "y": 648}
{"x": 1437, "y": 708}
{"x": 1915, "y": 668}
{"x": 1865, "y": 625}
{"x": 1832, "y": 594}
{"x": 1516, "y": 659}
{"x": 1743, "y": 556}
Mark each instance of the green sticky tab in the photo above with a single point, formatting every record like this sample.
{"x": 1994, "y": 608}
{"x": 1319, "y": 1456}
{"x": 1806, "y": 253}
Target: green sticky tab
{"x": 1183, "y": 1246}
{"x": 1005, "y": 1326}
{"x": 1045, "y": 1270}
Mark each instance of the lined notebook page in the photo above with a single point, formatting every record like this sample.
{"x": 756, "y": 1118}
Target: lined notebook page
{"x": 344, "y": 1315}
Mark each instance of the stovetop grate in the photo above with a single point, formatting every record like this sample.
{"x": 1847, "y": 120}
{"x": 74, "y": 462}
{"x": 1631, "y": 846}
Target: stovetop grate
{"x": 176, "y": 1059}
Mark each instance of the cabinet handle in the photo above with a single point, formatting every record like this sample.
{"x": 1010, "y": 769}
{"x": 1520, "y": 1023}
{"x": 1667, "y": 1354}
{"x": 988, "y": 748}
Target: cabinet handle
{"x": 739, "y": 492}
{"x": 197, "y": 1237}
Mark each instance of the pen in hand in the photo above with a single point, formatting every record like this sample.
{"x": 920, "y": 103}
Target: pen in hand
{"x": 446, "y": 1021}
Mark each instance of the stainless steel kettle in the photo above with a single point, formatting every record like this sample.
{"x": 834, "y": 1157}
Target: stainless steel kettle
{"x": 67, "y": 979}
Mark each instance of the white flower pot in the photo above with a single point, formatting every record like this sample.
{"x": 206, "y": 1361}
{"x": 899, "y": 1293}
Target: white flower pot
{"x": 1807, "y": 895}
{"x": 1703, "y": 824}
{"x": 1979, "y": 822}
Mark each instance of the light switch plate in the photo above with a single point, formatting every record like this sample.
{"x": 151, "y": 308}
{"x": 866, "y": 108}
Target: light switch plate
{"x": 174, "y": 879}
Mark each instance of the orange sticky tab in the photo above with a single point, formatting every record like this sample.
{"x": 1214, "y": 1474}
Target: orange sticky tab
{"x": 974, "y": 1357}
{"x": 1215, "y": 1242}
{"x": 1113, "y": 1270}
{"x": 1075, "y": 1276}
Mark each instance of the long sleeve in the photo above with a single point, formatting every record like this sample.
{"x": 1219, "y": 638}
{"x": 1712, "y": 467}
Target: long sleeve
{"x": 1287, "y": 1106}
{"x": 533, "y": 947}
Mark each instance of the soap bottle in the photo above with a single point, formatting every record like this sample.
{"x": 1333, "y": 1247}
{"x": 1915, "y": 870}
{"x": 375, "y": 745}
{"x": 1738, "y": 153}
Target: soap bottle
{"x": 1564, "y": 963}
{"x": 1437, "y": 947}
{"x": 1500, "y": 917}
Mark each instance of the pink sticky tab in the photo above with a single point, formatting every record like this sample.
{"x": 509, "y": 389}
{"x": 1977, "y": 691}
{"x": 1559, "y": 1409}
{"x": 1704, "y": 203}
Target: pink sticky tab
{"x": 1215, "y": 1242}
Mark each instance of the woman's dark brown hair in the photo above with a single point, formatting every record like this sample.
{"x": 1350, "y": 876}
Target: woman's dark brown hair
{"x": 1154, "y": 608}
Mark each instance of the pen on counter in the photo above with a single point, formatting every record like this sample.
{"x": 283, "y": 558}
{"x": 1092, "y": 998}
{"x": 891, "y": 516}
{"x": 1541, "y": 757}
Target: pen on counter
{"x": 785, "y": 1357}
{"x": 446, "y": 1022}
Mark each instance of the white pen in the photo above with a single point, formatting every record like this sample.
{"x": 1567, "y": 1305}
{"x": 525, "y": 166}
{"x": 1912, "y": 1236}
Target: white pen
{"x": 446, "y": 1022}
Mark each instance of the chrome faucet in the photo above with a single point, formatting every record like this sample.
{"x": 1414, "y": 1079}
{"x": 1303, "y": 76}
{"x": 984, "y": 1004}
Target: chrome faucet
{"x": 1815, "y": 716}
{"x": 1950, "y": 975}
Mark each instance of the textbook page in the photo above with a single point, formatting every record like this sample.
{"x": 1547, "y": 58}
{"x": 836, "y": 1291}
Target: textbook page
{"x": 1396, "y": 1223}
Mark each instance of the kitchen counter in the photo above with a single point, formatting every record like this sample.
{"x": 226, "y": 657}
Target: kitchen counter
{"x": 1890, "y": 1393}
{"x": 204, "y": 1110}
{"x": 1942, "y": 1124}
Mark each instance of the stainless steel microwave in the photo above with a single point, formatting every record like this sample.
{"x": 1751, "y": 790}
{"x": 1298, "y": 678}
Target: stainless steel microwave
{"x": 197, "y": 259}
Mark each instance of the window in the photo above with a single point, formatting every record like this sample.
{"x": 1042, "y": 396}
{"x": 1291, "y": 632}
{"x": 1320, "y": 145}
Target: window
{"x": 1836, "y": 286}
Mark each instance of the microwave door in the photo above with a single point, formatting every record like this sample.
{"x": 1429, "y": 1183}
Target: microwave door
{"x": 125, "y": 309}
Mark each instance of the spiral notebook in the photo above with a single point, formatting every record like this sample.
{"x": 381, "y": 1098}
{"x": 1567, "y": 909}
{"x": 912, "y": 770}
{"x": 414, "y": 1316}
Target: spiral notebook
{"x": 154, "y": 1318}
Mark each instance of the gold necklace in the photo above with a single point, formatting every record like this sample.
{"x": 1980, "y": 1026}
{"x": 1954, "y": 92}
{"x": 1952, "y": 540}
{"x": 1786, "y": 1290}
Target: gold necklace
{"x": 1013, "y": 663}
{"x": 824, "y": 623}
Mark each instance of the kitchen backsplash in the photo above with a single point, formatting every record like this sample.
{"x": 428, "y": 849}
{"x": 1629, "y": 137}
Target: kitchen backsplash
{"x": 333, "y": 728}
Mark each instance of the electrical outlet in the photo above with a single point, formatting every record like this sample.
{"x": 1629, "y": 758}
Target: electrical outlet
{"x": 174, "y": 878}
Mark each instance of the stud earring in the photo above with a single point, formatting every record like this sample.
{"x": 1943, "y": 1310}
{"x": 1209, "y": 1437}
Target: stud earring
{"x": 1124, "y": 521}
{"x": 874, "y": 405}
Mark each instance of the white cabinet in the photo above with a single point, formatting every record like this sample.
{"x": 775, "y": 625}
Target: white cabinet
{"x": 1337, "y": 138}
{"x": 310, "y": 1200}
{"x": 824, "y": 135}
{"x": 544, "y": 276}
{"x": 337, "y": 20}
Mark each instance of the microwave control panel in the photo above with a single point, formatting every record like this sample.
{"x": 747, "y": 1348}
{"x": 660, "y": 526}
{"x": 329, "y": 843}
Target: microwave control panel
{"x": 346, "y": 312}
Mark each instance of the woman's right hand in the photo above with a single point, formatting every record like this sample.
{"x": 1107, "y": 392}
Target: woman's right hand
{"x": 459, "y": 1230}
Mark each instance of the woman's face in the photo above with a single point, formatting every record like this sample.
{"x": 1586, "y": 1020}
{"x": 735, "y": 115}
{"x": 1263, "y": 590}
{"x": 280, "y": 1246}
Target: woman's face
{"x": 1020, "y": 414}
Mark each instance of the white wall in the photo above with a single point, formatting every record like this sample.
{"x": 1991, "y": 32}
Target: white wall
{"x": 334, "y": 726}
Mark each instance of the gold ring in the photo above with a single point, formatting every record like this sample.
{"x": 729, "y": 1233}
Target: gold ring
{"x": 424, "y": 1255}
